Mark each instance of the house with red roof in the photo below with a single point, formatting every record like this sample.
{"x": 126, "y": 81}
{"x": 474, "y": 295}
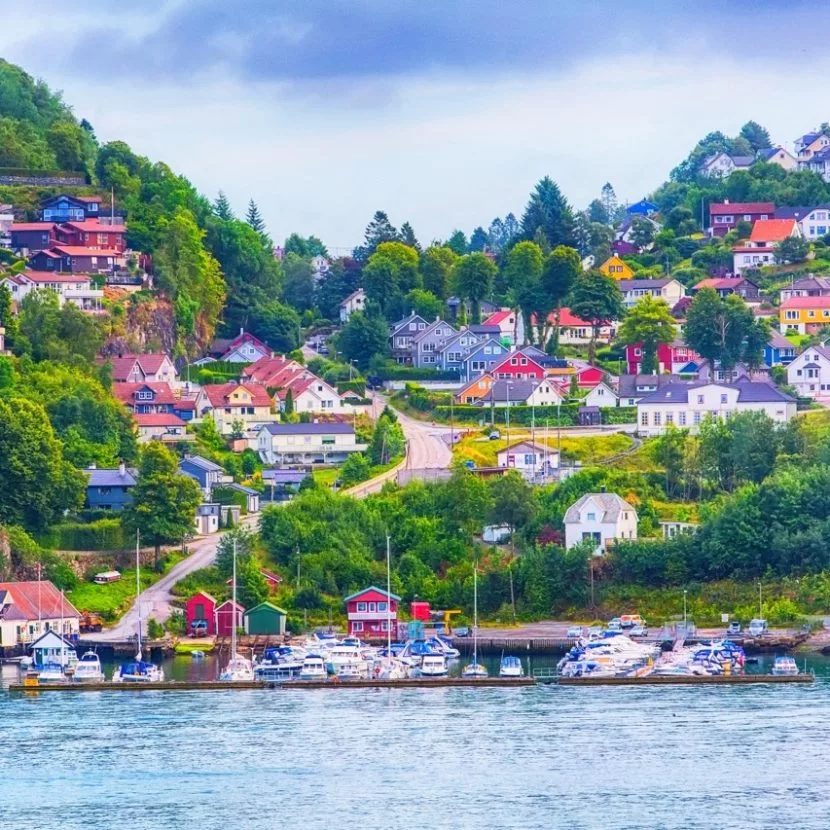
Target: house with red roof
{"x": 760, "y": 248}
{"x": 518, "y": 366}
{"x": 244, "y": 348}
{"x": 90, "y": 233}
{"x": 30, "y": 609}
{"x": 31, "y": 237}
{"x": 233, "y": 405}
{"x": 153, "y": 398}
{"x": 160, "y": 426}
{"x": 675, "y": 358}
{"x": 510, "y": 324}
{"x": 272, "y": 371}
{"x": 724, "y": 216}
{"x": 371, "y": 611}
{"x": 73, "y": 288}
{"x": 78, "y": 259}
{"x": 574, "y": 331}
{"x": 143, "y": 368}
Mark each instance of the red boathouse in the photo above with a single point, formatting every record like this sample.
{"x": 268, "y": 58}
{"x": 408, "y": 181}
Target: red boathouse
{"x": 225, "y": 618}
{"x": 201, "y": 606}
{"x": 368, "y": 613}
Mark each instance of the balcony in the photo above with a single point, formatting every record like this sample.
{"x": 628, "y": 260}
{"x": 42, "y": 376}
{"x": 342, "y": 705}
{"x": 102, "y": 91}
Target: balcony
{"x": 367, "y": 616}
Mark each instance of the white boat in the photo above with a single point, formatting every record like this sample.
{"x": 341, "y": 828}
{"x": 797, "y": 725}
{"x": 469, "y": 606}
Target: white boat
{"x": 138, "y": 671}
{"x": 89, "y": 669}
{"x": 313, "y": 668}
{"x": 475, "y": 669}
{"x": 347, "y": 656}
{"x": 434, "y": 665}
{"x": 350, "y": 671}
{"x": 511, "y": 667}
{"x": 784, "y": 666}
{"x": 51, "y": 673}
{"x": 239, "y": 669}
{"x": 197, "y": 654}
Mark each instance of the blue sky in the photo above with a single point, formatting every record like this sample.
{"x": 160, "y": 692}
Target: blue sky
{"x": 441, "y": 112}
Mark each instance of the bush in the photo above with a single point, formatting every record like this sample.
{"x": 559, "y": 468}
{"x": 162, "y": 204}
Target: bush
{"x": 155, "y": 630}
{"x": 104, "y": 534}
{"x": 225, "y": 495}
{"x": 392, "y": 371}
{"x": 176, "y": 624}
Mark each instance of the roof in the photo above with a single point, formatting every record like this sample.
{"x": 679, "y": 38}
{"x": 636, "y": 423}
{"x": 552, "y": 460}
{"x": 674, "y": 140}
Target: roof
{"x": 204, "y": 594}
{"x": 749, "y": 391}
{"x": 223, "y": 345}
{"x": 769, "y": 152}
{"x": 218, "y": 393}
{"x": 270, "y": 606}
{"x": 241, "y": 488}
{"x": 50, "y": 276}
{"x": 79, "y": 250}
{"x": 203, "y": 464}
{"x": 778, "y": 341}
{"x": 333, "y": 428}
{"x": 266, "y": 368}
{"x": 631, "y": 285}
{"x": 729, "y": 208}
{"x": 285, "y": 476}
{"x": 122, "y": 364}
{"x": 95, "y": 226}
{"x": 511, "y": 390}
{"x": 239, "y": 606}
{"x": 743, "y": 161}
{"x": 566, "y": 318}
{"x": 372, "y": 588}
{"x": 126, "y": 392}
{"x": 111, "y": 478}
{"x": 27, "y": 597}
{"x": 772, "y": 230}
{"x": 31, "y": 226}
{"x": 722, "y": 282}
{"x": 158, "y": 419}
{"x": 610, "y": 503}
{"x": 530, "y": 445}
{"x": 497, "y": 318}
{"x": 482, "y": 328}
{"x": 808, "y": 138}
{"x": 352, "y": 296}
{"x": 630, "y": 386}
{"x": 806, "y": 302}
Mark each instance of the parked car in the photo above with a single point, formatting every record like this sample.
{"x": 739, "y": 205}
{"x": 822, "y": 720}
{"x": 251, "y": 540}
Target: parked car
{"x": 595, "y": 631}
{"x": 615, "y": 624}
{"x": 757, "y": 628}
{"x": 461, "y": 631}
{"x": 198, "y": 628}
{"x": 734, "y": 628}
{"x": 575, "y": 631}
{"x": 494, "y": 435}
{"x": 638, "y": 631}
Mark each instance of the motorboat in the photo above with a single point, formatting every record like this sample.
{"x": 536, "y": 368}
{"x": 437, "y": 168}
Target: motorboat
{"x": 51, "y": 673}
{"x": 350, "y": 656}
{"x": 784, "y": 666}
{"x": 88, "y": 669}
{"x": 313, "y": 668}
{"x": 350, "y": 671}
{"x": 511, "y": 667}
{"x": 446, "y": 648}
{"x": 434, "y": 665}
{"x": 138, "y": 671}
{"x": 197, "y": 654}
{"x": 239, "y": 670}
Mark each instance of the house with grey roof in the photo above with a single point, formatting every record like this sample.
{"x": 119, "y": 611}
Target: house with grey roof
{"x": 721, "y": 165}
{"x": 687, "y": 405}
{"x": 809, "y": 373}
{"x": 532, "y": 392}
{"x": 401, "y": 335}
{"x": 452, "y": 353}
{"x": 427, "y": 343}
{"x": 809, "y": 286}
{"x": 208, "y": 474}
{"x": 328, "y": 443}
{"x": 601, "y": 518}
{"x": 670, "y": 290}
{"x": 109, "y": 489}
{"x": 630, "y": 388}
{"x": 482, "y": 358}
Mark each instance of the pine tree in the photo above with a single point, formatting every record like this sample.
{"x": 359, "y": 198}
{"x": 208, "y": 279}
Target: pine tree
{"x": 253, "y": 218}
{"x": 380, "y": 229}
{"x": 408, "y": 237}
{"x": 288, "y": 403}
{"x": 609, "y": 203}
{"x": 549, "y": 210}
{"x": 222, "y": 207}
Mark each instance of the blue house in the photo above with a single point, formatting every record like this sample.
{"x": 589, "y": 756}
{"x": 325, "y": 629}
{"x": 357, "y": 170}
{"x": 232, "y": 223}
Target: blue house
{"x": 482, "y": 358}
{"x": 110, "y": 489}
{"x": 642, "y": 208}
{"x": 778, "y": 351}
{"x": 206, "y": 473}
{"x": 449, "y": 357}
{"x": 283, "y": 485}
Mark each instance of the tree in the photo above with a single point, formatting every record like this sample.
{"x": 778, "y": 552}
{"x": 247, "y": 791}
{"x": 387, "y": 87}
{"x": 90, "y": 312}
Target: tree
{"x": 549, "y": 210}
{"x": 408, "y": 237}
{"x": 424, "y": 303}
{"x": 253, "y": 218}
{"x": 222, "y": 207}
{"x": 559, "y": 274}
{"x": 597, "y": 213}
{"x": 609, "y": 202}
{"x": 756, "y": 135}
{"x": 164, "y": 502}
{"x": 388, "y": 441}
{"x": 523, "y": 272}
{"x": 7, "y": 318}
{"x": 288, "y": 402}
{"x": 596, "y": 298}
{"x": 278, "y": 325}
{"x": 642, "y": 232}
{"x": 392, "y": 271}
{"x": 649, "y": 324}
{"x": 305, "y": 247}
{"x": 379, "y": 230}
{"x": 37, "y": 484}
{"x": 478, "y": 239}
{"x": 513, "y": 501}
{"x": 792, "y": 249}
{"x": 363, "y": 337}
{"x": 436, "y": 267}
{"x": 355, "y": 469}
{"x": 458, "y": 242}
{"x": 473, "y": 277}
{"x": 670, "y": 453}
{"x": 244, "y": 540}
{"x": 298, "y": 290}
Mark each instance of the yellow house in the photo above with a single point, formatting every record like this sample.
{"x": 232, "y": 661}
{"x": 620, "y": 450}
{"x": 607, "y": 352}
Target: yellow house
{"x": 616, "y": 268}
{"x": 246, "y": 405}
{"x": 805, "y": 315}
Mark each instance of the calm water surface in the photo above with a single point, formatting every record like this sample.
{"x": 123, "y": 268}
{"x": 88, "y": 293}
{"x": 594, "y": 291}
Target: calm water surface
{"x": 752, "y": 757}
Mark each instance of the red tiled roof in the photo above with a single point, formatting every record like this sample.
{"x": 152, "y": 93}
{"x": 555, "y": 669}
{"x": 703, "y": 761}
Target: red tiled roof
{"x": 217, "y": 393}
{"x": 31, "y": 226}
{"x": 772, "y": 230}
{"x": 159, "y": 419}
{"x": 95, "y": 226}
{"x": 496, "y": 318}
{"x": 721, "y": 209}
{"x": 125, "y": 392}
{"x": 77, "y": 250}
{"x": 266, "y": 369}
{"x": 721, "y": 282}
{"x": 246, "y": 337}
{"x": 567, "y": 318}
{"x": 51, "y": 276}
{"x": 27, "y": 597}
{"x": 807, "y": 302}
{"x": 122, "y": 364}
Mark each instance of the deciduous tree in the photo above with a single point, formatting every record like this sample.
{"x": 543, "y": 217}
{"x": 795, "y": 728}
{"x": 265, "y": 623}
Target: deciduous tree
{"x": 473, "y": 277}
{"x": 649, "y": 323}
{"x": 559, "y": 274}
{"x": 596, "y": 298}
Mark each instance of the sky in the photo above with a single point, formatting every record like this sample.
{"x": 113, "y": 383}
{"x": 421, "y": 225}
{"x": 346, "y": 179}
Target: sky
{"x": 443, "y": 113}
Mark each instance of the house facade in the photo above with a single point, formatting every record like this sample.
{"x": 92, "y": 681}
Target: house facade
{"x": 70, "y": 288}
{"x": 810, "y": 286}
{"x": 482, "y": 359}
{"x": 475, "y": 390}
{"x": 602, "y": 396}
{"x": 401, "y": 335}
{"x": 244, "y": 348}
{"x": 450, "y": 357}
{"x": 32, "y": 237}
{"x": 143, "y": 368}
{"x": 427, "y": 344}
{"x": 205, "y": 472}
{"x": 778, "y": 351}
{"x": 510, "y": 325}
{"x": 307, "y": 443}
{"x": 152, "y": 399}
{"x": 160, "y": 427}
{"x": 804, "y": 315}
{"x": 573, "y": 331}
{"x": 601, "y": 518}
{"x": 110, "y": 489}
{"x": 518, "y": 366}
{"x": 74, "y": 259}
{"x": 722, "y": 165}
{"x": 371, "y": 611}
{"x": 529, "y": 458}
{"x": 356, "y": 301}
{"x": 617, "y": 268}
{"x": 809, "y": 373}
{"x": 669, "y": 290}
{"x": 724, "y": 216}
{"x": 232, "y": 405}
{"x": 687, "y": 405}
{"x": 92, "y": 234}
{"x": 30, "y": 609}
{"x": 724, "y": 286}
{"x": 807, "y": 145}
{"x": 265, "y": 618}
{"x": 504, "y": 393}
{"x": 675, "y": 358}
{"x": 780, "y": 156}
{"x": 65, "y": 208}
{"x": 201, "y": 608}
{"x": 228, "y": 617}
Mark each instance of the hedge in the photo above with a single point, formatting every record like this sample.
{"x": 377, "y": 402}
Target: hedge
{"x": 357, "y": 386}
{"x": 525, "y": 415}
{"x": 105, "y": 534}
{"x": 226, "y": 495}
{"x": 395, "y": 372}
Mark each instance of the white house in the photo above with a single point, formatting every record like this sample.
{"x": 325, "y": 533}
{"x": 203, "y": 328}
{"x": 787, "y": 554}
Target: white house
{"x": 602, "y": 395}
{"x": 670, "y": 290}
{"x": 244, "y": 348}
{"x": 504, "y": 393}
{"x": 722, "y": 164}
{"x": 602, "y": 518}
{"x": 29, "y": 609}
{"x": 780, "y": 156}
{"x": 160, "y": 426}
{"x": 760, "y": 248}
{"x": 307, "y": 443}
{"x": 529, "y": 458}
{"x": 235, "y": 404}
{"x": 314, "y": 395}
{"x": 70, "y": 288}
{"x": 511, "y": 325}
{"x": 687, "y": 405}
{"x": 809, "y": 373}
{"x": 356, "y": 301}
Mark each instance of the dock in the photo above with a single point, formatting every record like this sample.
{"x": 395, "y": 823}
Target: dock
{"x": 679, "y": 680}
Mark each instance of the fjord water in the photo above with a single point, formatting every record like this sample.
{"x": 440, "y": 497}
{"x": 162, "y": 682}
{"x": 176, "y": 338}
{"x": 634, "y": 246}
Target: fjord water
{"x": 444, "y": 758}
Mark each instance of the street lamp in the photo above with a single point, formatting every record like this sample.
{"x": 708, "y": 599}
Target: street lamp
{"x": 760, "y": 603}
{"x": 684, "y": 611}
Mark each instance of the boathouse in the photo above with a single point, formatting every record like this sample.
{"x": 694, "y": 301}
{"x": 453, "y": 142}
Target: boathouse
{"x": 201, "y": 607}
{"x": 225, "y": 618}
{"x": 51, "y": 648}
{"x": 265, "y": 618}
{"x": 368, "y": 613}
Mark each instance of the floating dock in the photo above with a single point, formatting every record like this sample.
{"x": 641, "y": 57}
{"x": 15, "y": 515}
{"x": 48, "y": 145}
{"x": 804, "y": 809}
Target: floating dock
{"x": 680, "y": 680}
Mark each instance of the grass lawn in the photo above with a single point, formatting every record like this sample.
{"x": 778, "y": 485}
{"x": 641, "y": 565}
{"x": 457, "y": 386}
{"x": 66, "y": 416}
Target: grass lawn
{"x": 326, "y": 476}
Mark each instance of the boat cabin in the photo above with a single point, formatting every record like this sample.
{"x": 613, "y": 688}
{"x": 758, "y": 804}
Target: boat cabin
{"x": 370, "y": 612}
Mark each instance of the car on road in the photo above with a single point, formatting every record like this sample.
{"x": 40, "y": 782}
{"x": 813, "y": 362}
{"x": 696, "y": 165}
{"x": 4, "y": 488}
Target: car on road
{"x": 757, "y": 628}
{"x": 734, "y": 628}
{"x": 575, "y": 631}
{"x": 595, "y": 631}
{"x": 494, "y": 435}
{"x": 462, "y": 631}
{"x": 638, "y": 631}
{"x": 615, "y": 624}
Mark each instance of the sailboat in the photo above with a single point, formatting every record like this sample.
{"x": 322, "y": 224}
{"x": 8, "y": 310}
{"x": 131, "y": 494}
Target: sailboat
{"x": 391, "y": 669}
{"x": 139, "y": 671}
{"x": 475, "y": 669}
{"x": 239, "y": 668}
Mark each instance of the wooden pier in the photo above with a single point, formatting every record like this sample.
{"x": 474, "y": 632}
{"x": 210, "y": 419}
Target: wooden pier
{"x": 679, "y": 680}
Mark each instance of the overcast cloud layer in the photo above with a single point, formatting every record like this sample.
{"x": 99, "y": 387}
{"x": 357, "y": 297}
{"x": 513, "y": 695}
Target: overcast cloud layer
{"x": 444, "y": 113}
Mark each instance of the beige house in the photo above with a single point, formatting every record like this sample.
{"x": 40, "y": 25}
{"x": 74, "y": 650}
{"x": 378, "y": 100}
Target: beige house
{"x": 246, "y": 405}
{"x": 30, "y": 609}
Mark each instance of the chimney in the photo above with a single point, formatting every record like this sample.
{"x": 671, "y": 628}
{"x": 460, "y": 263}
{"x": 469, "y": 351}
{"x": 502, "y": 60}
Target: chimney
{"x": 726, "y": 201}
{"x": 122, "y": 468}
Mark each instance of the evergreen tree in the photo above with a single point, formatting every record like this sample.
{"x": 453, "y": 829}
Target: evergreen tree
{"x": 756, "y": 135}
{"x": 478, "y": 239}
{"x": 253, "y": 218}
{"x": 596, "y": 298}
{"x": 222, "y": 207}
{"x": 7, "y": 318}
{"x": 458, "y": 242}
{"x": 549, "y": 210}
{"x": 288, "y": 403}
{"x": 473, "y": 277}
{"x": 609, "y": 203}
{"x": 408, "y": 237}
{"x": 379, "y": 230}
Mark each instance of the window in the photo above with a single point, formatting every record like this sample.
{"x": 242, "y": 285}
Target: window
{"x": 514, "y": 361}
{"x": 697, "y": 418}
{"x": 144, "y": 395}
{"x": 669, "y": 418}
{"x": 644, "y": 419}
{"x": 328, "y": 440}
{"x": 723, "y": 399}
{"x": 791, "y": 315}
{"x": 638, "y": 352}
{"x": 381, "y": 606}
{"x": 700, "y": 398}
{"x": 811, "y": 314}
{"x": 658, "y": 417}
{"x": 361, "y": 606}
{"x": 682, "y": 419}
{"x": 590, "y": 517}
{"x": 384, "y": 626}
{"x": 373, "y": 606}
{"x": 357, "y": 625}
{"x": 530, "y": 460}
{"x": 747, "y": 217}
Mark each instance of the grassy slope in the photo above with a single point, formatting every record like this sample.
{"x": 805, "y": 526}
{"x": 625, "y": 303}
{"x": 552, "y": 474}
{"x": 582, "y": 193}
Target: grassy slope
{"x": 589, "y": 450}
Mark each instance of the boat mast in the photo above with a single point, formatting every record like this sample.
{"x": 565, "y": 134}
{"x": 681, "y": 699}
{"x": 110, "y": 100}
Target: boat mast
{"x": 138, "y": 589}
{"x": 233, "y": 589}
{"x": 475, "y": 615}
{"x": 388, "y": 600}
{"x": 63, "y": 644}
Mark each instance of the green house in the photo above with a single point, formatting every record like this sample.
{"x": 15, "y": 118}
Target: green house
{"x": 265, "y": 618}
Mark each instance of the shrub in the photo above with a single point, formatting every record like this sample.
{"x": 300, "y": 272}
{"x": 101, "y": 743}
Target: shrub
{"x": 104, "y": 534}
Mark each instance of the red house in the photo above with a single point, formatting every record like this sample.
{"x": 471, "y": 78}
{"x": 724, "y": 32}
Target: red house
{"x": 92, "y": 234}
{"x": 518, "y": 366}
{"x": 368, "y": 613}
{"x": 201, "y": 606}
{"x": 672, "y": 358}
{"x": 724, "y": 216}
{"x": 589, "y": 377}
{"x": 225, "y": 618}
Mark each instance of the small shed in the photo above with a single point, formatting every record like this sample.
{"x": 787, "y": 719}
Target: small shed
{"x": 590, "y": 416}
{"x": 207, "y": 518}
{"x": 201, "y": 607}
{"x": 251, "y": 496}
{"x": 51, "y": 648}
{"x": 265, "y": 618}
{"x": 225, "y": 618}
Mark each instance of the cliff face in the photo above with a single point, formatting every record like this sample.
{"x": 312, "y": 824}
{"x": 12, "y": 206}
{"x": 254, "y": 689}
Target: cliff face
{"x": 5, "y": 556}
